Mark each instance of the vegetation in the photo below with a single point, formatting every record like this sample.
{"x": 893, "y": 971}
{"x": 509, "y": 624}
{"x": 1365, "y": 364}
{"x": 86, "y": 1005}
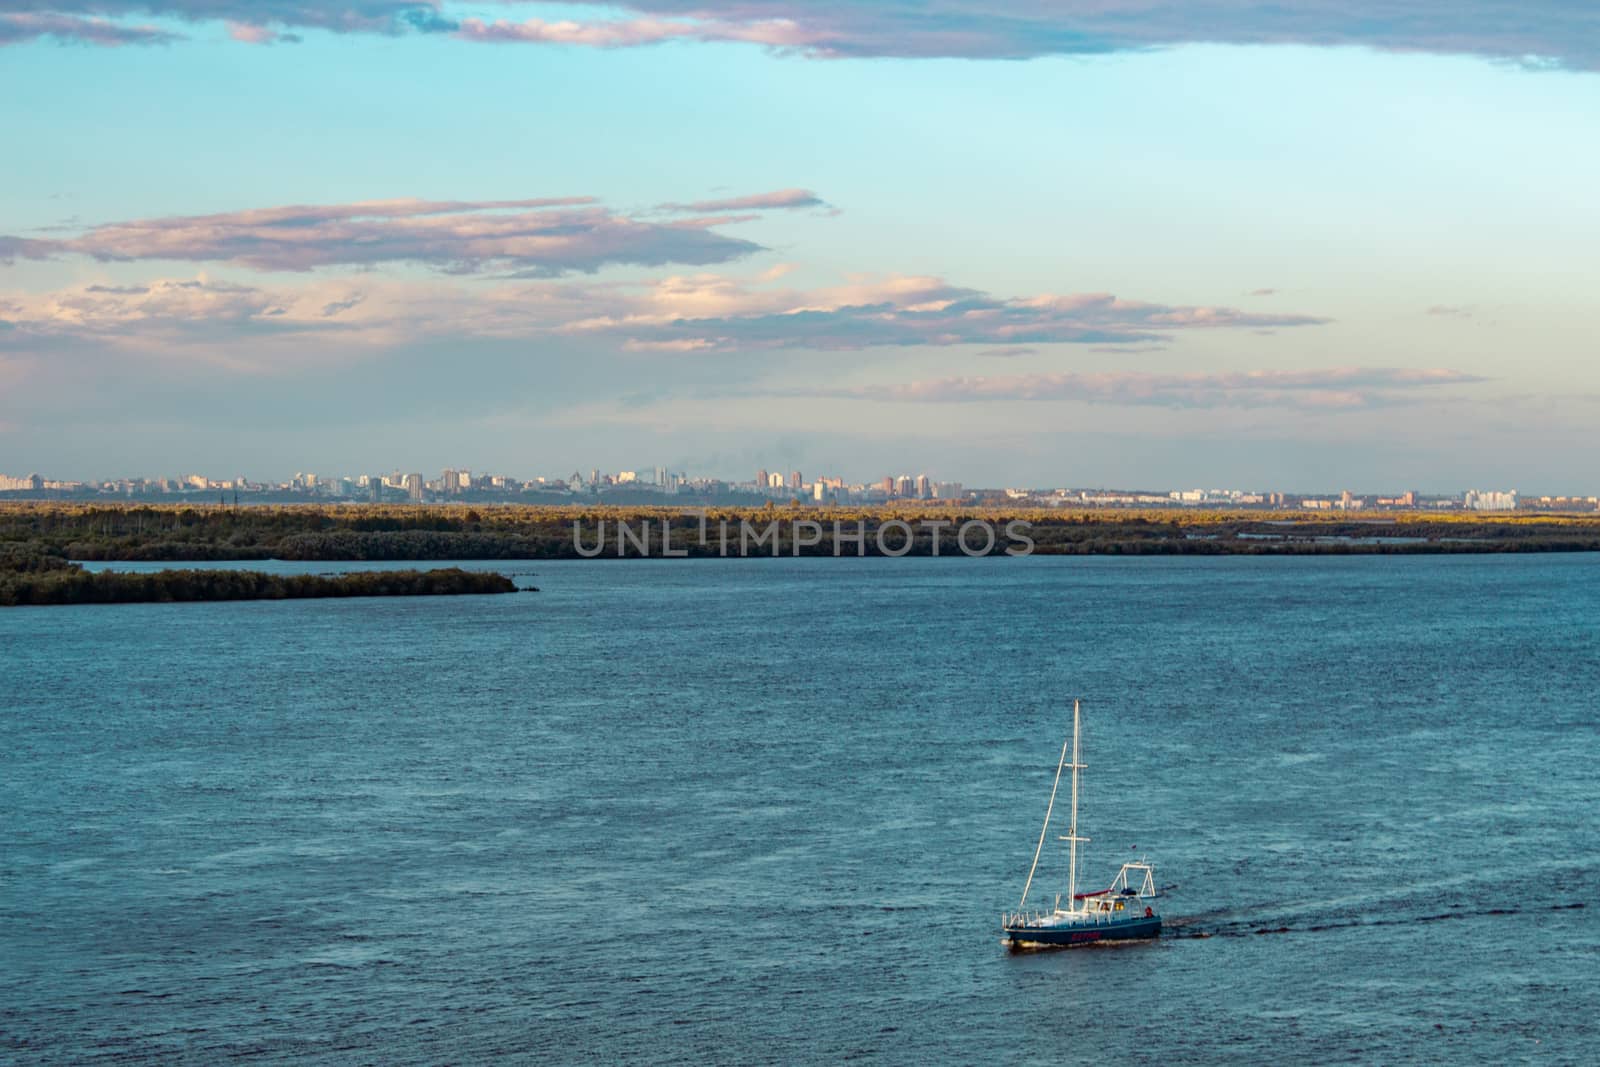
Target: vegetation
{"x": 391, "y": 532}
{"x": 33, "y": 577}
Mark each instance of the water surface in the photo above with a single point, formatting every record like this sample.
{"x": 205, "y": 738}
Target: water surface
{"x": 767, "y": 811}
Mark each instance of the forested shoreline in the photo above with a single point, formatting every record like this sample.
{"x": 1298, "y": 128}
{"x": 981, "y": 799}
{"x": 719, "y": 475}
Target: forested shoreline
{"x": 29, "y": 577}
{"x": 390, "y": 532}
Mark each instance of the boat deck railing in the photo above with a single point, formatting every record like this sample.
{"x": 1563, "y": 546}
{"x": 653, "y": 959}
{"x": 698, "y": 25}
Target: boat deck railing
{"x": 1013, "y": 919}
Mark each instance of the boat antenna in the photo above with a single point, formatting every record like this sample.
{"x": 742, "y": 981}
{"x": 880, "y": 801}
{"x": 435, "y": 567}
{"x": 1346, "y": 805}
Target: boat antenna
{"x": 1046, "y": 827}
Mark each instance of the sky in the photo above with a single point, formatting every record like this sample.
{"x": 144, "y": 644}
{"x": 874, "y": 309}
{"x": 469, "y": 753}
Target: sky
{"x": 1301, "y": 245}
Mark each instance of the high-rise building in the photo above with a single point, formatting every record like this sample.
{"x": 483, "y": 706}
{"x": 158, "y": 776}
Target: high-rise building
{"x": 775, "y": 480}
{"x": 923, "y": 488}
{"x": 27, "y": 483}
{"x": 887, "y": 485}
{"x": 904, "y": 486}
{"x": 794, "y": 480}
{"x": 414, "y": 488}
{"x": 1490, "y": 501}
{"x": 761, "y": 478}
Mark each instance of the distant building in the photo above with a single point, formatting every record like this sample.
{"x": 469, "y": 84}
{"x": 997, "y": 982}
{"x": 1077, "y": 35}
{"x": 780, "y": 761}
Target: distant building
{"x": 794, "y": 480}
{"x": 1490, "y": 501}
{"x": 761, "y": 479}
{"x": 414, "y": 488}
{"x": 27, "y": 483}
{"x": 924, "y": 489}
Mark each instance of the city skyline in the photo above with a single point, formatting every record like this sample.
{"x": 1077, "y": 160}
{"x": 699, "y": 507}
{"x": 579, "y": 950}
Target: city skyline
{"x": 1008, "y": 241}
{"x": 853, "y": 472}
{"x": 459, "y": 484}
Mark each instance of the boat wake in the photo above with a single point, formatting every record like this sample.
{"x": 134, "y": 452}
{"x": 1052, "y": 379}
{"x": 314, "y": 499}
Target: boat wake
{"x": 1195, "y": 927}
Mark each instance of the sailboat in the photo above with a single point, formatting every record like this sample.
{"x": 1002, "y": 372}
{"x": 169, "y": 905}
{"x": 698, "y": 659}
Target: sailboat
{"x": 1123, "y": 911}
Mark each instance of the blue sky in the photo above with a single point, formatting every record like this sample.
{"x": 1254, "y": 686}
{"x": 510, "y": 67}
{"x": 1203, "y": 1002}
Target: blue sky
{"x": 1367, "y": 265}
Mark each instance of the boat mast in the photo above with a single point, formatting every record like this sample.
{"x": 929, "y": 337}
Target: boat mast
{"x": 1072, "y": 832}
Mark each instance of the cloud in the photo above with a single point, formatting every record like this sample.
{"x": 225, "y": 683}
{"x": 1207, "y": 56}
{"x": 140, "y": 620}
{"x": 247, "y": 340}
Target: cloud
{"x": 1008, "y": 353}
{"x": 250, "y": 33}
{"x": 783, "y": 198}
{"x": 1449, "y": 311}
{"x": 253, "y": 21}
{"x": 534, "y": 238}
{"x": 334, "y": 307}
{"x": 1535, "y": 33}
{"x": 904, "y": 311}
{"x": 19, "y": 26}
{"x": 15, "y": 248}
{"x": 1556, "y": 30}
{"x": 1263, "y": 292}
{"x": 703, "y": 313}
{"x": 1339, "y": 389}
{"x": 780, "y": 32}
{"x": 238, "y": 327}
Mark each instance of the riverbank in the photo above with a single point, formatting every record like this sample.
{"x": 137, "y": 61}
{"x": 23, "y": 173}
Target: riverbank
{"x": 370, "y": 532}
{"x": 54, "y": 582}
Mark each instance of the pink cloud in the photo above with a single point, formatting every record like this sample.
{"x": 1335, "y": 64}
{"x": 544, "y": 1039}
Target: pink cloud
{"x": 1559, "y": 32}
{"x": 1018, "y": 29}
{"x": 537, "y": 237}
{"x": 251, "y": 33}
{"x": 704, "y": 313}
{"x": 252, "y": 21}
{"x": 782, "y": 198}
{"x": 903, "y": 311}
{"x": 784, "y": 33}
{"x": 18, "y": 27}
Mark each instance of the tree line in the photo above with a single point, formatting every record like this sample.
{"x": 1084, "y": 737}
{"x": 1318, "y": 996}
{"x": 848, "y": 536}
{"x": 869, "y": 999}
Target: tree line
{"x": 434, "y": 532}
{"x": 35, "y": 578}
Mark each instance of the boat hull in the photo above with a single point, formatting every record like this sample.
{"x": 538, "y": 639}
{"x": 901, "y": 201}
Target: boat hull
{"x": 1075, "y": 934}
